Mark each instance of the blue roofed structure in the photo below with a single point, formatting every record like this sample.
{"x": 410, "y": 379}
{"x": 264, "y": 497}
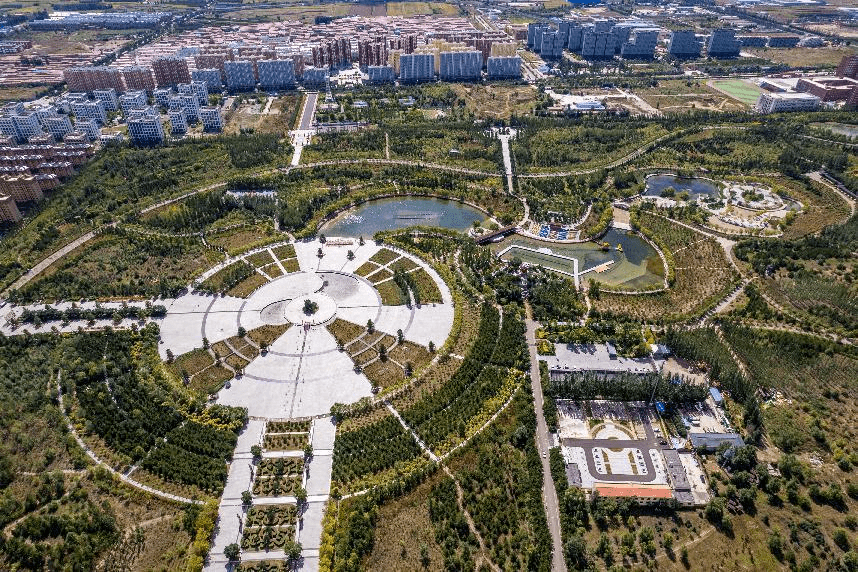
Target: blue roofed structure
{"x": 716, "y": 395}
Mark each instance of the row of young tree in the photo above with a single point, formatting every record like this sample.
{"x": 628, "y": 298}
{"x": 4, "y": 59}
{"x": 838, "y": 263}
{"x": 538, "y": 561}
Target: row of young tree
{"x": 51, "y": 314}
{"x": 134, "y": 412}
{"x": 372, "y": 449}
{"x": 703, "y": 345}
{"x": 767, "y": 256}
{"x": 502, "y": 491}
{"x": 627, "y": 387}
{"x": 472, "y": 366}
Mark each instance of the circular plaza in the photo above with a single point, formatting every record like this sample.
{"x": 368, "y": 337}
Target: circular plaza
{"x": 323, "y": 327}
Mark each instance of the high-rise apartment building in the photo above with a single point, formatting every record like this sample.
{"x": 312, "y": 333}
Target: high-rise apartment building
{"x": 598, "y": 44}
{"x": 460, "y": 65}
{"x": 8, "y": 209}
{"x": 380, "y": 74}
{"x": 171, "y": 71}
{"x": 684, "y": 44}
{"x": 59, "y": 126}
{"x": 144, "y": 126}
{"x": 90, "y": 110}
{"x": 315, "y": 76}
{"x": 848, "y": 67}
{"x": 641, "y": 44}
{"x": 552, "y": 44}
{"x": 89, "y": 127}
{"x": 162, "y": 96}
{"x": 212, "y": 121}
{"x": 87, "y": 79}
{"x": 211, "y": 77}
{"x": 276, "y": 74}
{"x": 24, "y": 188}
{"x": 198, "y": 89}
{"x": 20, "y": 125}
{"x": 188, "y": 104}
{"x": 372, "y": 53}
{"x": 239, "y": 75}
{"x": 723, "y": 44}
{"x": 334, "y": 53}
{"x": 108, "y": 99}
{"x": 178, "y": 122}
{"x": 416, "y": 67}
{"x": 214, "y": 60}
{"x": 503, "y": 67}
{"x": 137, "y": 78}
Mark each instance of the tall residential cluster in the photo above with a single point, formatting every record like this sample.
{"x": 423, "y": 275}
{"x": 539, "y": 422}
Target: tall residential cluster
{"x": 31, "y": 162}
{"x": 630, "y": 39}
{"x": 594, "y": 39}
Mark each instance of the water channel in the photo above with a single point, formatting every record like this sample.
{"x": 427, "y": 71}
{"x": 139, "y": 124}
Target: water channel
{"x": 630, "y": 262}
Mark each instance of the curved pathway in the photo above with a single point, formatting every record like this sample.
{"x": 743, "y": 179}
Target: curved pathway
{"x": 399, "y": 162}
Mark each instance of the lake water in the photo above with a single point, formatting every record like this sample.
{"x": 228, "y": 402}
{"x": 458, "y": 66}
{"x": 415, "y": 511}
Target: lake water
{"x": 840, "y": 128}
{"x": 629, "y": 267}
{"x": 388, "y": 214}
{"x": 655, "y": 184}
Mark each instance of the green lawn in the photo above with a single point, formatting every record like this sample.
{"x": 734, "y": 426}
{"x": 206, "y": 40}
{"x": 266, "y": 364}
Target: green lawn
{"x": 742, "y": 90}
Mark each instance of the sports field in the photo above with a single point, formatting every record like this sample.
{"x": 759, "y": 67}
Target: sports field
{"x": 739, "y": 89}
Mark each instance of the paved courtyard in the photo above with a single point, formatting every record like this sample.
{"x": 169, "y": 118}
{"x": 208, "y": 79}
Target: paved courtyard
{"x": 303, "y": 373}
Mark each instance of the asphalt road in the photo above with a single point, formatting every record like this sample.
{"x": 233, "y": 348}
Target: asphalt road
{"x": 309, "y": 110}
{"x": 549, "y": 493}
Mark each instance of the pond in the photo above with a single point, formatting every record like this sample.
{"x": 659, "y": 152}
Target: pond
{"x": 392, "y": 213}
{"x": 696, "y": 188}
{"x": 636, "y": 267}
{"x": 839, "y": 128}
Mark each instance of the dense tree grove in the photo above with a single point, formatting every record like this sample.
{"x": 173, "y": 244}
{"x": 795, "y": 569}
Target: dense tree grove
{"x": 133, "y": 408}
{"x": 31, "y": 423}
{"x": 767, "y": 256}
{"x": 198, "y": 211}
{"x": 371, "y": 449}
{"x": 445, "y": 411}
{"x": 255, "y": 150}
{"x": 70, "y": 538}
{"x": 139, "y": 265}
{"x": 356, "y": 517}
{"x": 502, "y": 484}
{"x": 628, "y": 387}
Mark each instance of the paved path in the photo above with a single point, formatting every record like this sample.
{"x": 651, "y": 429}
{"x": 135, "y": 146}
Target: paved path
{"x": 309, "y": 110}
{"x": 549, "y": 493}
{"x": 414, "y": 435}
{"x": 41, "y": 266}
{"x": 402, "y": 162}
{"x": 231, "y": 512}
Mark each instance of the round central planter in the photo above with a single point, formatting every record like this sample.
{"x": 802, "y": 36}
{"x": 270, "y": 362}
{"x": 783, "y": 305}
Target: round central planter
{"x": 326, "y": 309}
